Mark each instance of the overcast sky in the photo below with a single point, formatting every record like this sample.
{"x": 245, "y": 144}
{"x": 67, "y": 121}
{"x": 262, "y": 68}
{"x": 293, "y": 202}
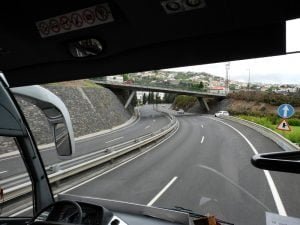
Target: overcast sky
{"x": 280, "y": 69}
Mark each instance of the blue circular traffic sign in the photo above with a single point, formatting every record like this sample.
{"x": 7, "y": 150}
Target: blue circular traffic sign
{"x": 285, "y": 111}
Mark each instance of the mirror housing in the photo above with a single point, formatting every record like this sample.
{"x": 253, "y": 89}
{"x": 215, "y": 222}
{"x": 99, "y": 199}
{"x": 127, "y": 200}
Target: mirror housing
{"x": 56, "y": 113}
{"x": 278, "y": 161}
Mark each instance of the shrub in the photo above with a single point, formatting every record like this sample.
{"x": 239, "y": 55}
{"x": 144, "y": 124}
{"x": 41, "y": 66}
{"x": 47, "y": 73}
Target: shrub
{"x": 184, "y": 101}
{"x": 294, "y": 122}
{"x": 270, "y": 98}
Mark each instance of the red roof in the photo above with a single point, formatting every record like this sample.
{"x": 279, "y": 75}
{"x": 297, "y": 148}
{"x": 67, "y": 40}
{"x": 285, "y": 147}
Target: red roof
{"x": 217, "y": 88}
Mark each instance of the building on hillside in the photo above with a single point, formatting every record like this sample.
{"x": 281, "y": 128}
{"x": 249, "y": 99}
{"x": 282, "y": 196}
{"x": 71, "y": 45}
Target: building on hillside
{"x": 217, "y": 90}
{"x": 115, "y": 78}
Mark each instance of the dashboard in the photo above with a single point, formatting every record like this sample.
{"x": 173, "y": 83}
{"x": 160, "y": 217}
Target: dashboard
{"x": 74, "y": 213}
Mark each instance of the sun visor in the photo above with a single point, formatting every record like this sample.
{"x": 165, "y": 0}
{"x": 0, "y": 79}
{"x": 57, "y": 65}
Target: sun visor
{"x": 250, "y": 42}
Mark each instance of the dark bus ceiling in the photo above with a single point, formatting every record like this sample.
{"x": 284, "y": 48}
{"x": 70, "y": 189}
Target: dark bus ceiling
{"x": 142, "y": 37}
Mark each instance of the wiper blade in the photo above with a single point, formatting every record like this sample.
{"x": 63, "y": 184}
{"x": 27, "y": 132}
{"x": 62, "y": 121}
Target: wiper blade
{"x": 196, "y": 215}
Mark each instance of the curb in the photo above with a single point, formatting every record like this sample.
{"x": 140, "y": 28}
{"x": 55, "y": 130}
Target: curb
{"x": 281, "y": 141}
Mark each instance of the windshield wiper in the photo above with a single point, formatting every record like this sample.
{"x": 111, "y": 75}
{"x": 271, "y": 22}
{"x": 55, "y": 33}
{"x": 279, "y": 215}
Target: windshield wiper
{"x": 195, "y": 214}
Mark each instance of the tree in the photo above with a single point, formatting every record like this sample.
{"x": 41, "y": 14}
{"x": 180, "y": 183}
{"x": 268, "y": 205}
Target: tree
{"x": 125, "y": 77}
{"x": 151, "y": 98}
{"x": 201, "y": 86}
{"x": 232, "y": 87}
{"x": 157, "y": 98}
{"x": 169, "y": 98}
{"x": 144, "y": 99}
{"x": 134, "y": 101}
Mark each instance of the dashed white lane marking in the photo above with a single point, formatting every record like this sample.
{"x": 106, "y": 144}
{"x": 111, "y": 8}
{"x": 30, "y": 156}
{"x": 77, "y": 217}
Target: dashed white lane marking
{"x": 202, "y": 139}
{"x": 114, "y": 140}
{"x": 274, "y": 191}
{"x": 147, "y": 127}
{"x": 156, "y": 197}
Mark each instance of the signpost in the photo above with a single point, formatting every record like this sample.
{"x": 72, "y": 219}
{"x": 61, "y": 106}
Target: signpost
{"x": 285, "y": 111}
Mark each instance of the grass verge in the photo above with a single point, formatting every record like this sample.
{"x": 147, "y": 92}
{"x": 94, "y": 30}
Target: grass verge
{"x": 293, "y": 135}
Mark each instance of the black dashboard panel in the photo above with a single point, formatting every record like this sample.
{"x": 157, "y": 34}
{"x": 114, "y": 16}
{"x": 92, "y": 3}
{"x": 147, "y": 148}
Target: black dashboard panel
{"x": 67, "y": 212}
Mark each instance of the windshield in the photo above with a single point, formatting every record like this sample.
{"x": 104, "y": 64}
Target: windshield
{"x": 154, "y": 138}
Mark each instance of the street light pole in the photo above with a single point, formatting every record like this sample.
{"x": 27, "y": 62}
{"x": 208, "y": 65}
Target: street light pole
{"x": 248, "y": 79}
{"x": 227, "y": 67}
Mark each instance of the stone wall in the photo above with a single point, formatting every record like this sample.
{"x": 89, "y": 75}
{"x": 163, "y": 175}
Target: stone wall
{"x": 92, "y": 109}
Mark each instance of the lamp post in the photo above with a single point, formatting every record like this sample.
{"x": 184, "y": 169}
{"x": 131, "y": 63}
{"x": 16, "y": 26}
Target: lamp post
{"x": 227, "y": 67}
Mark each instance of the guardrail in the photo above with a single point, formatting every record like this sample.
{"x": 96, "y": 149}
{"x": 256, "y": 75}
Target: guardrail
{"x": 20, "y": 185}
{"x": 281, "y": 141}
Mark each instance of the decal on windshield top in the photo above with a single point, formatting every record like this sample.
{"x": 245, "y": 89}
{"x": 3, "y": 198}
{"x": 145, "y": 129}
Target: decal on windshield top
{"x": 76, "y": 20}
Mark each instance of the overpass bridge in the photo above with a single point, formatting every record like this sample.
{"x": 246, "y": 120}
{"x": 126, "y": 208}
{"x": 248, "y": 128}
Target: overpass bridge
{"x": 203, "y": 97}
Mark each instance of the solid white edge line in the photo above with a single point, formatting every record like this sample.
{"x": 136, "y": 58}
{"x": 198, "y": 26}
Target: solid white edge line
{"x": 274, "y": 191}
{"x": 202, "y": 139}
{"x": 156, "y": 197}
{"x": 107, "y": 171}
{"x": 114, "y": 140}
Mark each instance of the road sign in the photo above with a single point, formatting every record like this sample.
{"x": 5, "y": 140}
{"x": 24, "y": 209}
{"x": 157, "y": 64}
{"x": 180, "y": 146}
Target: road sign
{"x": 285, "y": 111}
{"x": 76, "y": 20}
{"x": 283, "y": 125}
{"x": 65, "y": 22}
{"x": 54, "y": 25}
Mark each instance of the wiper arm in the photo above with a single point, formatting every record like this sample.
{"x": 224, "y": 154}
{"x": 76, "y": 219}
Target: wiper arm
{"x": 196, "y": 215}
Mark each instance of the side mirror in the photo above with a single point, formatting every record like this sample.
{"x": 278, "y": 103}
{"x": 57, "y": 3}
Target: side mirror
{"x": 56, "y": 113}
{"x": 278, "y": 161}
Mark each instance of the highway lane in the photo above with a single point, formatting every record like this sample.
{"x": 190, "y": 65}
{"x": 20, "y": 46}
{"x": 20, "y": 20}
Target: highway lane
{"x": 204, "y": 167}
{"x": 150, "y": 121}
{"x": 287, "y": 183}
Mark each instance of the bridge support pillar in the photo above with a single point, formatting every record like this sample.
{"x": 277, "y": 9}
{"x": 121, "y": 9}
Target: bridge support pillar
{"x": 203, "y": 102}
{"x": 129, "y": 99}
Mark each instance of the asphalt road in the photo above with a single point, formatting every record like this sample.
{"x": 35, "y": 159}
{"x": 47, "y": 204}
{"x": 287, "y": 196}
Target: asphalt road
{"x": 205, "y": 167}
{"x": 150, "y": 121}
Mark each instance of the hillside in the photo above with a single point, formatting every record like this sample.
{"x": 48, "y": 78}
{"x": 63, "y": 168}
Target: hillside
{"x": 242, "y": 103}
{"x": 92, "y": 108}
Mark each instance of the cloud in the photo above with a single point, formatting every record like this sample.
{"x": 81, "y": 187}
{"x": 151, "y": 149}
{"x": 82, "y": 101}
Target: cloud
{"x": 279, "y": 69}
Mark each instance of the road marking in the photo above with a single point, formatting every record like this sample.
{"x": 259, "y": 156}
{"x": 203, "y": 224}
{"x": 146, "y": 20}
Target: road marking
{"x": 154, "y": 121}
{"x": 202, "y": 139}
{"x": 147, "y": 127}
{"x": 274, "y": 191}
{"x": 202, "y": 125}
{"x": 3, "y": 171}
{"x": 156, "y": 197}
{"x": 121, "y": 164}
{"x": 114, "y": 140}
{"x": 102, "y": 174}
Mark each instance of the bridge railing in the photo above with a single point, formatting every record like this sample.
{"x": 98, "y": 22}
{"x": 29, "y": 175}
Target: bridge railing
{"x": 163, "y": 86}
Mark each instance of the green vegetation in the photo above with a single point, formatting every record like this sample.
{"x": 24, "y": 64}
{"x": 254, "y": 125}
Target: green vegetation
{"x": 90, "y": 84}
{"x": 76, "y": 83}
{"x": 266, "y": 97}
{"x": 125, "y": 77}
{"x": 270, "y": 122}
{"x": 184, "y": 102}
{"x": 169, "y": 98}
